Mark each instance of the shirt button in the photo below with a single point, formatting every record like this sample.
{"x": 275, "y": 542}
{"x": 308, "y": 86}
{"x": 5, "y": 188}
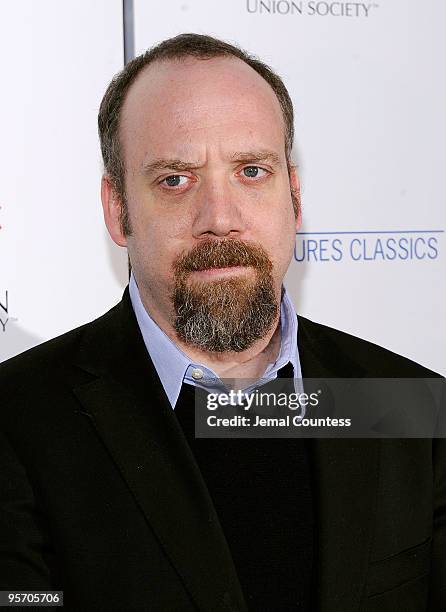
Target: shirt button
{"x": 197, "y": 374}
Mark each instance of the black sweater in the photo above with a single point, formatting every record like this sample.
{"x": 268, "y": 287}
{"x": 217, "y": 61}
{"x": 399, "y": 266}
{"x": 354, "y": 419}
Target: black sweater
{"x": 261, "y": 489}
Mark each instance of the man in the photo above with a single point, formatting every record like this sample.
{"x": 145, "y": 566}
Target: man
{"x": 105, "y": 492}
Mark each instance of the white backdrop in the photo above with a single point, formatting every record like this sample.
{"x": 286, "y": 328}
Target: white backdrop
{"x": 58, "y": 266}
{"x": 368, "y": 86}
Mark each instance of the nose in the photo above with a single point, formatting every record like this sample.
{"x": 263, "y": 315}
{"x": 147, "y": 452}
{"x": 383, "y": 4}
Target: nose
{"x": 218, "y": 210}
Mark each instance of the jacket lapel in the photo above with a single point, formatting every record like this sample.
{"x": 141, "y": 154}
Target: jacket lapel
{"x": 130, "y": 411}
{"x": 345, "y": 486}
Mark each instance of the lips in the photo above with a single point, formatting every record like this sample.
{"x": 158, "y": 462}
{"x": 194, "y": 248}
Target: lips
{"x": 224, "y": 267}
{"x": 220, "y": 272}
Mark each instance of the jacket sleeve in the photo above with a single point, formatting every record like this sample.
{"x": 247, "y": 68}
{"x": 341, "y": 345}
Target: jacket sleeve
{"x": 24, "y": 551}
{"x": 438, "y": 570}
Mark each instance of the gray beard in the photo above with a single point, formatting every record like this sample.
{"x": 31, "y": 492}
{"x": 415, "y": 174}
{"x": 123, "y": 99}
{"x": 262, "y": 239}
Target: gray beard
{"x": 225, "y": 315}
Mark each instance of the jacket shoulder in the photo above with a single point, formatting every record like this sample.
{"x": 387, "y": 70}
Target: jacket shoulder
{"x": 374, "y": 360}
{"x": 49, "y": 358}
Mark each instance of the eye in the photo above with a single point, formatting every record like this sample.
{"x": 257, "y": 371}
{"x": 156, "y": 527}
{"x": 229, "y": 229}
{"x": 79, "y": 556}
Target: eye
{"x": 175, "y": 180}
{"x": 253, "y": 172}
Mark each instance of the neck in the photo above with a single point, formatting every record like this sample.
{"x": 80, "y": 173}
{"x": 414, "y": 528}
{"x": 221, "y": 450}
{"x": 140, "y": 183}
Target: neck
{"x": 249, "y": 364}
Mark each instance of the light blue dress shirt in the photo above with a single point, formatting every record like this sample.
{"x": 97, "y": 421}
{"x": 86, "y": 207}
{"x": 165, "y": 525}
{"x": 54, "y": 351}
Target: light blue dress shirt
{"x": 174, "y": 367}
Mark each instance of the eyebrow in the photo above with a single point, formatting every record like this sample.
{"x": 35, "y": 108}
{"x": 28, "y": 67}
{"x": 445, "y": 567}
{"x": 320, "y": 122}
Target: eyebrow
{"x": 169, "y": 164}
{"x": 257, "y": 156}
{"x": 179, "y": 165}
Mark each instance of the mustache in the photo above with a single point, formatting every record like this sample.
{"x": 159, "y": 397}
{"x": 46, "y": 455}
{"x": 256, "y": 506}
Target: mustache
{"x": 223, "y": 254}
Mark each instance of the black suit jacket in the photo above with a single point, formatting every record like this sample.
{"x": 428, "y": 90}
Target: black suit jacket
{"x": 100, "y": 494}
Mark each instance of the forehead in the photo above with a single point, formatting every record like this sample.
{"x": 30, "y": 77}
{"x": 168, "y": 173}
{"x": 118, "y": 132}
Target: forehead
{"x": 177, "y": 105}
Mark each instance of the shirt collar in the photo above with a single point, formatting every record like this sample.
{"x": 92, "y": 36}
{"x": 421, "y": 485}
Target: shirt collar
{"x": 174, "y": 367}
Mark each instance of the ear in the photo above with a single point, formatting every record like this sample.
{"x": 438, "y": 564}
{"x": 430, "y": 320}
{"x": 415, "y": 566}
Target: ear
{"x": 112, "y": 206}
{"x": 295, "y": 191}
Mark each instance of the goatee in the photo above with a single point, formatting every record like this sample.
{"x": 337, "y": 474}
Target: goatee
{"x": 226, "y": 314}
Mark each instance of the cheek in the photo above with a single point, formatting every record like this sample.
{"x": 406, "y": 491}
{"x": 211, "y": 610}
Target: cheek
{"x": 156, "y": 220}
{"x": 279, "y": 237}
{"x": 159, "y": 244}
